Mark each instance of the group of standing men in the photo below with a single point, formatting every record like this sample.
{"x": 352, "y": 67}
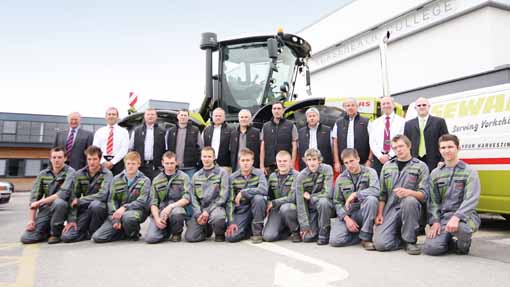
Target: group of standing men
{"x": 114, "y": 190}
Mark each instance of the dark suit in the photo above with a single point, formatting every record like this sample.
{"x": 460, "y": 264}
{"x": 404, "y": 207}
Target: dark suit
{"x": 435, "y": 127}
{"x": 82, "y": 140}
{"x": 361, "y": 142}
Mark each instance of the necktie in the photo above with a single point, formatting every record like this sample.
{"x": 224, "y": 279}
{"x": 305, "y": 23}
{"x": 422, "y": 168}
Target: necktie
{"x": 386, "y": 145}
{"x": 109, "y": 143}
{"x": 69, "y": 143}
{"x": 421, "y": 148}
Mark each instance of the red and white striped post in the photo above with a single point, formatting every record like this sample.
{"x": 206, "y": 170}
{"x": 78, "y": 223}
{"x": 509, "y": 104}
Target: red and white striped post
{"x": 133, "y": 98}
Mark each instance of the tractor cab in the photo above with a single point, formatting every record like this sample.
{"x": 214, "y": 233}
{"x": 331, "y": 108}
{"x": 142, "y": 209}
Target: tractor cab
{"x": 251, "y": 73}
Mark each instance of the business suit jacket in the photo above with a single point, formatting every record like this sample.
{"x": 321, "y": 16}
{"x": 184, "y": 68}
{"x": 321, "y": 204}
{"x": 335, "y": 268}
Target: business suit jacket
{"x": 435, "y": 127}
{"x": 82, "y": 140}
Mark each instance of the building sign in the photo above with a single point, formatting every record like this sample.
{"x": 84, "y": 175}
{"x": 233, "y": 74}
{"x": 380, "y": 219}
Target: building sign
{"x": 424, "y": 17}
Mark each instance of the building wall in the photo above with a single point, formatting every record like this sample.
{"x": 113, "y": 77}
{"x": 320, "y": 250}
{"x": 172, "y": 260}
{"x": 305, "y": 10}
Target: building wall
{"x": 38, "y": 158}
{"x": 474, "y": 41}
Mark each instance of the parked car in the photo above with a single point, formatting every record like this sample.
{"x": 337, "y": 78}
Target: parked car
{"x": 6, "y": 189}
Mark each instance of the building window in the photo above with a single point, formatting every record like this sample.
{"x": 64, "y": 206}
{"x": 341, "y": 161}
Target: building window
{"x": 32, "y": 167}
{"x": 2, "y": 167}
{"x": 15, "y": 167}
{"x": 9, "y": 127}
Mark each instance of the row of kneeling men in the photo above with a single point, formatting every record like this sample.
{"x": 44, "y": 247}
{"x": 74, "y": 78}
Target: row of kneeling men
{"x": 380, "y": 212}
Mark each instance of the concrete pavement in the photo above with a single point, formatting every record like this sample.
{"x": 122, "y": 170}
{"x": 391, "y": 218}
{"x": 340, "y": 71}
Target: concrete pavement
{"x": 241, "y": 264}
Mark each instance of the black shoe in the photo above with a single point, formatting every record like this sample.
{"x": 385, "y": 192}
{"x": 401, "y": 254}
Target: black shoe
{"x": 219, "y": 238}
{"x": 368, "y": 245}
{"x": 323, "y": 236}
{"x": 54, "y": 239}
{"x": 413, "y": 249}
{"x": 175, "y": 238}
{"x": 256, "y": 239}
{"x": 295, "y": 237}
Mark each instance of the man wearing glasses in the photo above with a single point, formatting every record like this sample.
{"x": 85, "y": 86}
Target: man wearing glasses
{"x": 424, "y": 132}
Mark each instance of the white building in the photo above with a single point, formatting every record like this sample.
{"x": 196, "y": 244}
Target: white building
{"x": 436, "y": 47}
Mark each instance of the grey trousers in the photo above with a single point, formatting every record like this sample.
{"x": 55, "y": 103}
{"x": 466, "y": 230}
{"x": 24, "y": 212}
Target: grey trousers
{"x": 130, "y": 220}
{"x": 249, "y": 219}
{"x": 320, "y": 212}
{"x": 174, "y": 226}
{"x": 217, "y": 223}
{"x": 364, "y": 217}
{"x": 439, "y": 245}
{"x": 48, "y": 221}
{"x": 91, "y": 216}
{"x": 280, "y": 221}
{"x": 400, "y": 223}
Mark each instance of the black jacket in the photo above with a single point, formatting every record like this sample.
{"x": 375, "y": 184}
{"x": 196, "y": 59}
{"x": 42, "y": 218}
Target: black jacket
{"x": 82, "y": 140}
{"x": 361, "y": 141}
{"x": 158, "y": 147}
{"x": 223, "y": 158}
{"x": 434, "y": 128}
{"x": 323, "y": 143}
{"x": 252, "y": 142}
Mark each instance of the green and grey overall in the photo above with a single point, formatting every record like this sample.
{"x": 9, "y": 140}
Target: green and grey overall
{"x": 132, "y": 195}
{"x": 209, "y": 193}
{"x": 282, "y": 217}
{"x": 315, "y": 214}
{"x": 167, "y": 190}
{"x": 363, "y": 210}
{"x": 455, "y": 192}
{"x": 50, "y": 218}
{"x": 401, "y": 216}
{"x": 91, "y": 211}
{"x": 250, "y": 213}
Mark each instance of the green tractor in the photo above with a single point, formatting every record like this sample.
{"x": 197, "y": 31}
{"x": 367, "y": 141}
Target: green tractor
{"x": 252, "y": 73}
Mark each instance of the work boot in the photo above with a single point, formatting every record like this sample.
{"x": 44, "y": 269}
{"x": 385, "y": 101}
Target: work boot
{"x": 256, "y": 239}
{"x": 54, "y": 239}
{"x": 295, "y": 237}
{"x": 323, "y": 236}
{"x": 219, "y": 238}
{"x": 175, "y": 238}
{"x": 367, "y": 245}
{"x": 462, "y": 249}
{"x": 413, "y": 249}
{"x": 452, "y": 245}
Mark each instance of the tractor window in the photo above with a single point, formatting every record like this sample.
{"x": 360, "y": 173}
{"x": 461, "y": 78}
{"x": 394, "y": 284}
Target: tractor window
{"x": 245, "y": 70}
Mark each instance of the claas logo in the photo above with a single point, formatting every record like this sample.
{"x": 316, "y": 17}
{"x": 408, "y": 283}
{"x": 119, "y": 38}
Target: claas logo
{"x": 364, "y": 103}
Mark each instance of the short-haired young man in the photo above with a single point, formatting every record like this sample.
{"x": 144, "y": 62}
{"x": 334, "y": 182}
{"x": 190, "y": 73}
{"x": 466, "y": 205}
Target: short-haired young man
{"x": 86, "y": 193}
{"x": 281, "y": 207}
{"x": 355, "y": 201}
{"x": 127, "y": 204}
{"x": 170, "y": 194}
{"x": 454, "y": 195}
{"x": 209, "y": 196}
{"x": 313, "y": 188}
{"x": 246, "y": 207}
{"x": 47, "y": 211}
{"x": 405, "y": 186}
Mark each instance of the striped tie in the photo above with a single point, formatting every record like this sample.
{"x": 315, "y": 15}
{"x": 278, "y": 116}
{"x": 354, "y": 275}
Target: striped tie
{"x": 69, "y": 143}
{"x": 109, "y": 143}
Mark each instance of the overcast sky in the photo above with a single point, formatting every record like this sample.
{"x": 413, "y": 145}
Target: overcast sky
{"x": 58, "y": 56}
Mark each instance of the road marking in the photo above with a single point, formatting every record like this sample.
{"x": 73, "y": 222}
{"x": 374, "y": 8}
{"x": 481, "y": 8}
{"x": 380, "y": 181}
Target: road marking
{"x": 26, "y": 264}
{"x": 505, "y": 241}
{"x": 288, "y": 276}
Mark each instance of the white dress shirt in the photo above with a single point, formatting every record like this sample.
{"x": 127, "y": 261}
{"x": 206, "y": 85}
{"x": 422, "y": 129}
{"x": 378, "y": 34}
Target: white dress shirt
{"x": 148, "y": 142}
{"x": 313, "y": 137}
{"x": 215, "y": 140}
{"x": 376, "y": 133}
{"x": 120, "y": 142}
{"x": 350, "y": 134}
